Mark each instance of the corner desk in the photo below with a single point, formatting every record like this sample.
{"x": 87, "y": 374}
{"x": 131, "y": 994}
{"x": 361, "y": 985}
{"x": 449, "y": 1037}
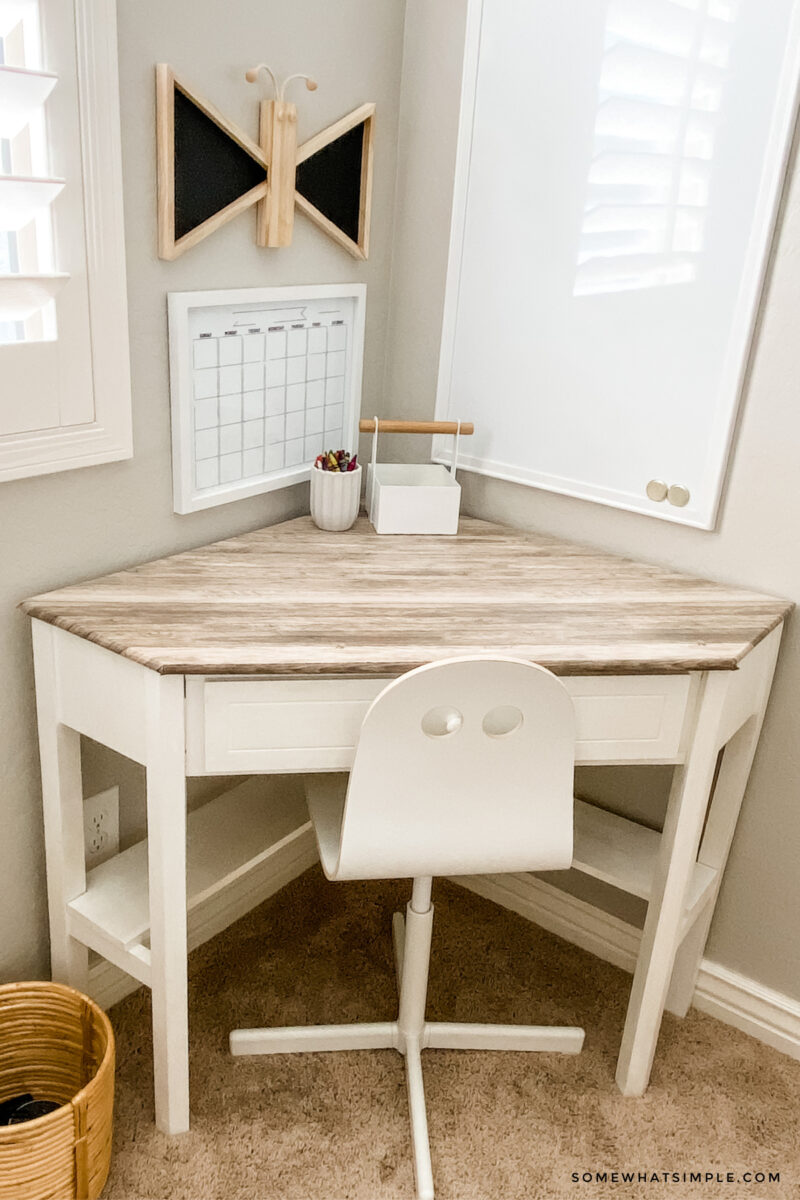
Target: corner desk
{"x": 261, "y": 654}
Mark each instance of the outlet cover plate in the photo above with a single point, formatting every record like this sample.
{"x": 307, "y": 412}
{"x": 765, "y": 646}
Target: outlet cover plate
{"x": 101, "y": 826}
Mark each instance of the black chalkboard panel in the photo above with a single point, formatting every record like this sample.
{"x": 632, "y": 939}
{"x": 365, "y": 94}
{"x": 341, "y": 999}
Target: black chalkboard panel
{"x": 331, "y": 180}
{"x": 211, "y": 171}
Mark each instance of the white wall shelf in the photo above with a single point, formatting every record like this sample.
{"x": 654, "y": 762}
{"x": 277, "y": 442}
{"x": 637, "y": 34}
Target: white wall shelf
{"x": 243, "y": 832}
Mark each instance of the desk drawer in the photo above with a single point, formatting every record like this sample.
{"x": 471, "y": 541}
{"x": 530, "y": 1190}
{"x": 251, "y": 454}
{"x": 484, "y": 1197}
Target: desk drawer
{"x": 631, "y": 718}
{"x": 237, "y": 726}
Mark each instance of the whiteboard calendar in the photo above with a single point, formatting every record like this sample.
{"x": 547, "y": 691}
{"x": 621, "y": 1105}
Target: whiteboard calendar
{"x": 261, "y": 380}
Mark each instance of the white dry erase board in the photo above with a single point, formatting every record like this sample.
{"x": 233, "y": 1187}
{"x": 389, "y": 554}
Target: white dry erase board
{"x": 619, "y": 169}
{"x": 261, "y": 380}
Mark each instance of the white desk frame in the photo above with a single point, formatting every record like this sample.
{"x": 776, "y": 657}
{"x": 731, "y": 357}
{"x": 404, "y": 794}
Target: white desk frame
{"x": 186, "y": 725}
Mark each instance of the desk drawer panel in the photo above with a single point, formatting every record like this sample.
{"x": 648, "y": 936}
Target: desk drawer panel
{"x": 235, "y": 726}
{"x": 631, "y": 718}
{"x": 276, "y": 725}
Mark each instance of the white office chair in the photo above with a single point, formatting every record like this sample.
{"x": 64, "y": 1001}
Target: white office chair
{"x": 462, "y": 767}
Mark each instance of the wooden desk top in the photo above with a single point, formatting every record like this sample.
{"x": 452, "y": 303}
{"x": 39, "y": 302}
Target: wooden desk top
{"x": 291, "y": 599}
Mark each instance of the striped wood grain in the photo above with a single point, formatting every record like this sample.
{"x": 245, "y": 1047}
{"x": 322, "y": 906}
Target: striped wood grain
{"x": 291, "y": 599}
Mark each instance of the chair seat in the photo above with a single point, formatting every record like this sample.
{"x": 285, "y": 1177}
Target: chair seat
{"x": 325, "y": 797}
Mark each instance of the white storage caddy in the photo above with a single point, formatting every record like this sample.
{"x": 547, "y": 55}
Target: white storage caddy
{"x": 413, "y": 497}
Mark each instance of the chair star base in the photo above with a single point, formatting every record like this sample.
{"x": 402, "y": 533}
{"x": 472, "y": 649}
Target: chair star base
{"x": 410, "y": 1034}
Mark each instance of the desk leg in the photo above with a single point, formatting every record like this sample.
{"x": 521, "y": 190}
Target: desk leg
{"x": 62, "y": 805}
{"x": 166, "y": 848}
{"x": 737, "y": 760}
{"x": 679, "y": 846}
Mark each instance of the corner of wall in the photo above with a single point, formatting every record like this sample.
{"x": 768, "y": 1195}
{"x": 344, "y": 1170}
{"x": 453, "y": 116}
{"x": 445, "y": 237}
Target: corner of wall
{"x": 433, "y": 45}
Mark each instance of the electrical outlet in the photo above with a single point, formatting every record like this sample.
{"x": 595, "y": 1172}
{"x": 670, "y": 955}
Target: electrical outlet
{"x": 101, "y": 826}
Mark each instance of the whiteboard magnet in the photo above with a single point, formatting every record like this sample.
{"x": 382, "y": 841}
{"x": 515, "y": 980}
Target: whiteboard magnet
{"x": 657, "y": 490}
{"x": 678, "y": 495}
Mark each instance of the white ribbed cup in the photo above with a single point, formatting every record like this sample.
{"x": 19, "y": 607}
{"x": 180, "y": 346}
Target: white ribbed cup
{"x": 335, "y": 497}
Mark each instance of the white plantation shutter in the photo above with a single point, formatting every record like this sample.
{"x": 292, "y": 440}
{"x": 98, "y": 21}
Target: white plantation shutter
{"x": 28, "y": 278}
{"x": 64, "y": 373}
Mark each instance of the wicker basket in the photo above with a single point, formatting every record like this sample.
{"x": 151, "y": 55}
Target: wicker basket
{"x": 58, "y": 1045}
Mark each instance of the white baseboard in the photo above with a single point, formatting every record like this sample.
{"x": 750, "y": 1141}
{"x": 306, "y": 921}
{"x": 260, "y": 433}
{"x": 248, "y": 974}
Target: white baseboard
{"x": 574, "y": 920}
{"x": 770, "y": 1016}
{"x": 108, "y": 984}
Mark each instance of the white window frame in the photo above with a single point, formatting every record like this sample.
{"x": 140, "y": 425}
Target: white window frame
{"x": 108, "y": 437}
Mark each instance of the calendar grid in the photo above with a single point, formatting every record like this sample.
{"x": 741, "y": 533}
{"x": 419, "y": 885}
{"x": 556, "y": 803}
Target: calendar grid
{"x": 266, "y": 399}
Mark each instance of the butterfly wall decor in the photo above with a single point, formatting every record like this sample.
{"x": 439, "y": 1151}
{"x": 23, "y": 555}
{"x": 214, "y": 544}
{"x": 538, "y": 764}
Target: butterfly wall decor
{"x": 210, "y": 171}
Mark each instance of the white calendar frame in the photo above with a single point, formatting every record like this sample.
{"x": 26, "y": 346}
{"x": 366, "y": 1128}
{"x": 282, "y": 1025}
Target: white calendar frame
{"x": 188, "y": 497}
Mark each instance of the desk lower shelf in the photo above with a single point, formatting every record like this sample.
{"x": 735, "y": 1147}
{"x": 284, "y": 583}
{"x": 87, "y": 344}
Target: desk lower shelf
{"x": 624, "y": 854}
{"x": 243, "y": 839}
{"x": 248, "y": 838}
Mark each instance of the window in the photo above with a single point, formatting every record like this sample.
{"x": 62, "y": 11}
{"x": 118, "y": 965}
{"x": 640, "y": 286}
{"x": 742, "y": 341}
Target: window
{"x": 64, "y": 370}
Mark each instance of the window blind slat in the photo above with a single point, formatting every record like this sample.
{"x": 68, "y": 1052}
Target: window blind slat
{"x": 23, "y": 295}
{"x": 21, "y": 198}
{"x": 22, "y": 92}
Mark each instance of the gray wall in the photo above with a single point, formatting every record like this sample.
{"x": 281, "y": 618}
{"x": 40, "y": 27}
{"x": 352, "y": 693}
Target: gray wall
{"x": 755, "y": 543}
{"x": 60, "y": 528}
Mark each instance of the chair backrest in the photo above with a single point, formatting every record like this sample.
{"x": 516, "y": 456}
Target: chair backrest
{"x": 462, "y": 766}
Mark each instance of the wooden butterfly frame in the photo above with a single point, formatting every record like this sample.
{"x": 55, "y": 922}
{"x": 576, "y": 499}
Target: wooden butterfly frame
{"x": 210, "y": 171}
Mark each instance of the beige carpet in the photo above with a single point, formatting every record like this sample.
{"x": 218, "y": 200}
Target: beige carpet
{"x": 503, "y": 1126}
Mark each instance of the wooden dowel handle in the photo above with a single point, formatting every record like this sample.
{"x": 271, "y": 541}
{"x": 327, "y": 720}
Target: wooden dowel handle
{"x": 367, "y": 426}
